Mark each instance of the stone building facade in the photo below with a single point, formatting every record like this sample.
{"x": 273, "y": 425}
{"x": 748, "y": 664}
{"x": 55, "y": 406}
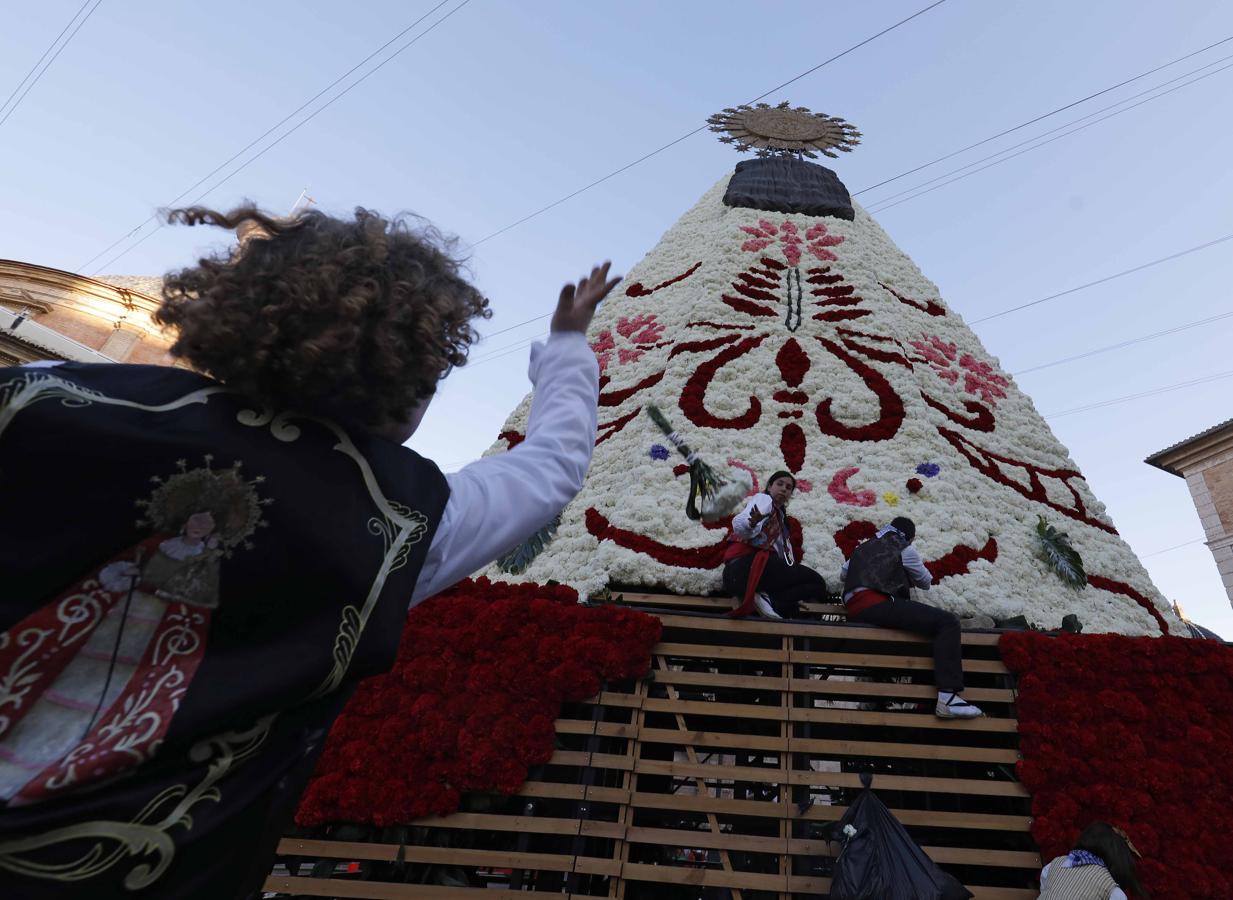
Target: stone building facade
{"x": 50, "y": 314}
{"x": 1206, "y": 462}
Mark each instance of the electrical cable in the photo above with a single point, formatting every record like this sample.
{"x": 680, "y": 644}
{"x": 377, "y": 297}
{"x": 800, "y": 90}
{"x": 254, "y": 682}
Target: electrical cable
{"x": 277, "y": 125}
{"x": 1107, "y": 278}
{"x": 1040, "y": 118}
{"x": 700, "y": 128}
{"x": 1101, "y": 404}
{"x": 882, "y": 207}
{"x": 43, "y": 71}
{"x": 1126, "y": 343}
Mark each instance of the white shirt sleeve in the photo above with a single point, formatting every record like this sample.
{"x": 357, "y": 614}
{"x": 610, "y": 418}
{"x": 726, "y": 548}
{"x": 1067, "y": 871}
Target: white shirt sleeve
{"x": 497, "y": 502}
{"x": 915, "y": 567}
{"x": 741, "y": 526}
{"x": 1044, "y": 874}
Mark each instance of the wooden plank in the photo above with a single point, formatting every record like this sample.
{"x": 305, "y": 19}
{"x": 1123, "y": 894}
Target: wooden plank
{"x": 756, "y": 775}
{"x": 957, "y": 856}
{"x": 491, "y": 822}
{"x": 897, "y": 719}
{"x": 380, "y": 890}
{"x": 830, "y": 748}
{"x": 802, "y": 885}
{"x": 673, "y": 837}
{"x": 715, "y": 651}
{"x": 887, "y": 661}
{"x": 717, "y": 739}
{"x": 881, "y": 689}
{"x": 354, "y": 850}
{"x": 799, "y": 629}
{"x": 926, "y": 818}
{"x": 701, "y": 876}
{"x": 871, "y": 689}
{"x": 715, "y": 708}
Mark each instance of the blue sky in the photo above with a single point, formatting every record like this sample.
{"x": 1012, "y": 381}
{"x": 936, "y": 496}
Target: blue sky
{"x": 508, "y": 106}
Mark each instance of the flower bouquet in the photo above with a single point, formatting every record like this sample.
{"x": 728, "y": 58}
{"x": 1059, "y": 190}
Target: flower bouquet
{"x": 719, "y": 495}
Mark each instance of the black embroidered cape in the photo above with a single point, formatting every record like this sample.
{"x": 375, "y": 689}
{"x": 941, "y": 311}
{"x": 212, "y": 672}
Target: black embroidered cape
{"x": 190, "y": 586}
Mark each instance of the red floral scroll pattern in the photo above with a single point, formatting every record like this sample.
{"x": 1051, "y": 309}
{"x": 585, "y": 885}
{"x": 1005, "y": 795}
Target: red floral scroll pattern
{"x": 981, "y": 418}
{"x": 606, "y": 430}
{"x": 1121, "y": 587}
{"x": 638, "y": 290}
{"x": 481, "y": 673}
{"x": 792, "y": 446}
{"x": 929, "y": 306}
{"x": 890, "y": 407}
{"x": 957, "y": 562}
{"x": 990, "y": 465}
{"x": 1132, "y": 731}
{"x": 709, "y": 557}
{"x": 693, "y": 396}
{"x": 616, "y": 398}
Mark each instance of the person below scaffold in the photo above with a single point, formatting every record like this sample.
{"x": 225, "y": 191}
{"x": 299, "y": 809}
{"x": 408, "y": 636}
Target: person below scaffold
{"x": 877, "y": 582}
{"x": 759, "y": 567}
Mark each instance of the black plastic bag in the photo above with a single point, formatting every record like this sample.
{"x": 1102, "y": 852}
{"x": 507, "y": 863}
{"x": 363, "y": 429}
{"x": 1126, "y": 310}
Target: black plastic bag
{"x": 881, "y": 861}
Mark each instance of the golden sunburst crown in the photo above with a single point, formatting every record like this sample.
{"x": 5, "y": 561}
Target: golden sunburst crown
{"x": 230, "y": 499}
{"x": 784, "y": 130}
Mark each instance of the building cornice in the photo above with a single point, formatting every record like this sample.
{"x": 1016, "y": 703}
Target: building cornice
{"x": 1186, "y": 455}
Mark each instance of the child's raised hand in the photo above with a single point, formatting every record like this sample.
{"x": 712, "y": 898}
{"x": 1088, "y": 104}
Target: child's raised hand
{"x": 576, "y": 306}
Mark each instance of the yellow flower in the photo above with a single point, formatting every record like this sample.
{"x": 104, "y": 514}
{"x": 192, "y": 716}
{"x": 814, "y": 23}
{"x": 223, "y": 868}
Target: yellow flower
{"x": 891, "y": 498}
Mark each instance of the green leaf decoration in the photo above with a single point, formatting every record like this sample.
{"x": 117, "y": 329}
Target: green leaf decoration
{"x": 516, "y": 560}
{"x": 1054, "y": 548}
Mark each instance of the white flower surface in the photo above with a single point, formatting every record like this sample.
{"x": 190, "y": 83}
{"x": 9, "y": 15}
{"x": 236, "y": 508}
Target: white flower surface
{"x": 782, "y": 341}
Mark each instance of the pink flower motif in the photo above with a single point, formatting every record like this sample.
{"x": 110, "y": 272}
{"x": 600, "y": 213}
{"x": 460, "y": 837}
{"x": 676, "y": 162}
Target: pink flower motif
{"x": 628, "y": 356}
{"x": 981, "y": 379}
{"x": 816, "y": 240}
{"x": 978, "y": 377}
{"x": 642, "y": 331}
{"x": 648, "y": 330}
{"x": 840, "y": 491}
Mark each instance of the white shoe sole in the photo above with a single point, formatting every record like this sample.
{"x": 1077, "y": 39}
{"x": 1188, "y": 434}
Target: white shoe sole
{"x": 946, "y": 713}
{"x": 764, "y": 607}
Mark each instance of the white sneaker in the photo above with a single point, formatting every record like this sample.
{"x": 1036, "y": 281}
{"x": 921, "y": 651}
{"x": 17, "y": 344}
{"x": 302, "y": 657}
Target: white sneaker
{"x": 763, "y": 604}
{"x": 952, "y": 706}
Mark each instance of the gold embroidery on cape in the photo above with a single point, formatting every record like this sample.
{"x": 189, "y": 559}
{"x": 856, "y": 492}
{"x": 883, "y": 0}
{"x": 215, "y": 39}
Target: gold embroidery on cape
{"x": 148, "y": 833}
{"x": 399, "y": 526}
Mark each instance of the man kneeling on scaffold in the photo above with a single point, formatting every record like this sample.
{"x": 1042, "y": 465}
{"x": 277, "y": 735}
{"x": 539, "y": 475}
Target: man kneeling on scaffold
{"x": 877, "y": 583}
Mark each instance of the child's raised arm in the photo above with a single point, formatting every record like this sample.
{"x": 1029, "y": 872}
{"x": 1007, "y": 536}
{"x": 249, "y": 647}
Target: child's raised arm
{"x": 497, "y": 502}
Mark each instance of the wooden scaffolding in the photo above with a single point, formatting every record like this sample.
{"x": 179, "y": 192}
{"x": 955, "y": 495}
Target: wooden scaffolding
{"x": 718, "y": 776}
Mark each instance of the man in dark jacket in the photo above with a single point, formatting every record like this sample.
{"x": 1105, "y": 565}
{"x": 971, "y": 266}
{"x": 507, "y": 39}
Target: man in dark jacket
{"x": 877, "y": 584}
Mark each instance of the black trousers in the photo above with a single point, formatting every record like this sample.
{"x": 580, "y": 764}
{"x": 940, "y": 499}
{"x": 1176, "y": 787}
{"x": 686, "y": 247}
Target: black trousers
{"x": 921, "y": 618}
{"x": 786, "y": 585}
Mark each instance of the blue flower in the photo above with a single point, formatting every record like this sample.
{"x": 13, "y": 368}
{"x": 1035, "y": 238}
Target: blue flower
{"x": 658, "y": 451}
{"x": 928, "y": 469}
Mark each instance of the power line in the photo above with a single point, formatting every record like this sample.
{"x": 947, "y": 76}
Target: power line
{"x": 1128, "y": 397}
{"x": 286, "y": 134}
{"x": 1039, "y": 118}
{"x": 1175, "y": 547}
{"x": 1107, "y": 278}
{"x": 1127, "y": 343}
{"x": 882, "y": 206}
{"x": 690, "y": 134}
{"x": 1125, "y": 100}
{"x": 43, "y": 71}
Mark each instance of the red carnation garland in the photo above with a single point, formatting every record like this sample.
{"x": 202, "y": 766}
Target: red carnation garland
{"x": 1134, "y": 732}
{"x": 481, "y": 673}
